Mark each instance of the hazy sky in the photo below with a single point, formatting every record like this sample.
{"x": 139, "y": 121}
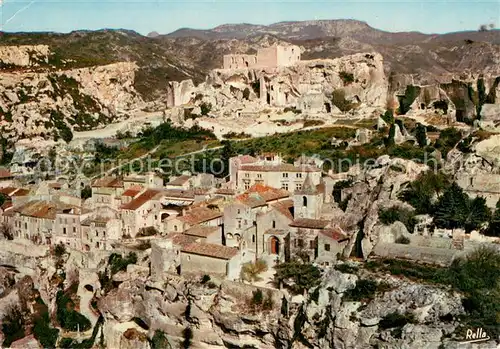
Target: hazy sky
{"x": 164, "y": 16}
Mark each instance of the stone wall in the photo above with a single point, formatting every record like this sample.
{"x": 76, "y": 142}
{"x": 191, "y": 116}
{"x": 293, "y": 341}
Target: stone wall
{"x": 432, "y": 255}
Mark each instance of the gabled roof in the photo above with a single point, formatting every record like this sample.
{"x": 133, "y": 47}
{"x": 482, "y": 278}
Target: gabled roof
{"x": 284, "y": 207}
{"x": 38, "y": 209}
{"x": 21, "y": 192}
{"x": 108, "y": 182}
{"x": 181, "y": 239}
{"x": 210, "y": 250}
{"x": 309, "y": 223}
{"x": 8, "y": 190}
{"x": 201, "y": 231}
{"x": 136, "y": 203}
{"x": 308, "y": 188}
{"x": 199, "y": 215}
{"x": 260, "y": 194}
{"x": 224, "y": 191}
{"x": 132, "y": 191}
{"x": 335, "y": 234}
{"x": 179, "y": 193}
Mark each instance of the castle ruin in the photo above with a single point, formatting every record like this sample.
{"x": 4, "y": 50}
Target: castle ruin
{"x": 270, "y": 57}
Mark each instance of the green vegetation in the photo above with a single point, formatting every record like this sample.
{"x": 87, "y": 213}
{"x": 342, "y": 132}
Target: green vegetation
{"x": 250, "y": 271}
{"x": 494, "y": 226}
{"x": 67, "y": 316}
{"x": 346, "y": 268}
{"x": 339, "y": 100}
{"x": 454, "y": 210}
{"x": 12, "y": 325}
{"x": 364, "y": 290}
{"x": 160, "y": 340}
{"x": 337, "y": 189}
{"x": 421, "y": 192}
{"x": 118, "y": 263}
{"x": 60, "y": 250}
{"x": 86, "y": 192}
{"x": 477, "y": 276}
{"x": 256, "y": 87}
{"x": 297, "y": 276}
{"x": 405, "y": 102}
{"x": 346, "y": 77}
{"x": 392, "y": 214}
{"x": 46, "y": 335}
{"x": 311, "y": 123}
{"x": 260, "y": 303}
{"x": 447, "y": 140}
{"x": 62, "y": 129}
{"x": 234, "y": 135}
{"x": 403, "y": 240}
{"x": 396, "y": 322}
{"x": 292, "y": 109}
{"x": 246, "y": 93}
{"x": 388, "y": 117}
{"x": 205, "y": 108}
{"x": 421, "y": 135}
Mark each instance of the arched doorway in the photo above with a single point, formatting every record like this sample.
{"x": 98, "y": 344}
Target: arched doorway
{"x": 274, "y": 245}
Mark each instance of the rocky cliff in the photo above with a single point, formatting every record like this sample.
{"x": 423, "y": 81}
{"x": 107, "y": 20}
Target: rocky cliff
{"x": 53, "y": 103}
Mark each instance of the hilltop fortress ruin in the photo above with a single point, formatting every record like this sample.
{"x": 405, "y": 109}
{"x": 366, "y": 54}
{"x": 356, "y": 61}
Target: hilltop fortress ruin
{"x": 270, "y": 57}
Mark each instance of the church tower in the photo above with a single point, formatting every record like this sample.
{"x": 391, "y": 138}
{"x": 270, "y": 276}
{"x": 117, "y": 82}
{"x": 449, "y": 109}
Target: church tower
{"x": 308, "y": 201}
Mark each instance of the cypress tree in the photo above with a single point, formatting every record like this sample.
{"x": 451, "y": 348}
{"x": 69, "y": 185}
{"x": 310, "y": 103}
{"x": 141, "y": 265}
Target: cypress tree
{"x": 478, "y": 213}
{"x": 494, "y": 227}
{"x": 421, "y": 135}
{"x": 451, "y": 209}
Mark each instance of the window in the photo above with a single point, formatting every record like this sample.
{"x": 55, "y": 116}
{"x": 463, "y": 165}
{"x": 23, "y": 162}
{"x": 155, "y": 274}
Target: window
{"x": 239, "y": 211}
{"x": 285, "y": 175}
{"x": 247, "y": 175}
{"x": 311, "y": 244}
{"x": 74, "y": 230}
{"x": 274, "y": 224}
{"x": 327, "y": 247}
{"x": 259, "y": 175}
{"x": 64, "y": 231}
{"x": 229, "y": 236}
{"x": 301, "y": 243}
{"x": 96, "y": 233}
{"x": 253, "y": 238}
{"x": 239, "y": 223}
{"x": 299, "y": 175}
{"x": 175, "y": 228}
{"x": 247, "y": 186}
{"x": 304, "y": 201}
{"x": 298, "y": 186}
{"x": 188, "y": 258}
{"x": 284, "y": 186}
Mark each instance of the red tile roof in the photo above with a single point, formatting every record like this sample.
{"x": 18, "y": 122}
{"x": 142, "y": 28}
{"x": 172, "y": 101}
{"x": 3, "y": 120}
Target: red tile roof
{"x": 201, "y": 231}
{"x": 8, "y": 190}
{"x": 132, "y": 191}
{"x": 335, "y": 234}
{"x": 141, "y": 199}
{"x": 284, "y": 207}
{"x": 4, "y": 173}
{"x": 309, "y": 223}
{"x": 210, "y": 250}
{"x": 21, "y": 192}
{"x": 246, "y": 159}
{"x": 199, "y": 215}
{"x": 225, "y": 191}
{"x": 179, "y": 193}
{"x": 108, "y": 182}
{"x": 181, "y": 239}
{"x": 38, "y": 209}
{"x": 259, "y": 194}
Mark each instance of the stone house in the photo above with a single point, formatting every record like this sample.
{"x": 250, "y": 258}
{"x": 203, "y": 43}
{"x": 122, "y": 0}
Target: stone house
{"x": 142, "y": 211}
{"x": 67, "y": 228}
{"x": 284, "y": 176}
{"x": 240, "y": 217}
{"x": 100, "y": 229}
{"x": 149, "y": 180}
{"x": 304, "y": 237}
{"x": 107, "y": 191}
{"x": 330, "y": 244}
{"x": 6, "y": 178}
{"x": 181, "y": 182}
{"x": 204, "y": 216}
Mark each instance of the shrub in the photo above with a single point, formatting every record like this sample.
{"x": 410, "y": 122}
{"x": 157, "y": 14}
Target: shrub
{"x": 337, "y": 189}
{"x": 46, "y": 335}
{"x": 246, "y": 93}
{"x": 364, "y": 290}
{"x": 346, "y": 268}
{"x": 205, "y": 108}
{"x": 339, "y": 100}
{"x": 67, "y": 316}
{"x": 160, "y": 340}
{"x": 86, "y": 192}
{"x": 346, "y": 77}
{"x": 257, "y": 297}
{"x": 118, "y": 263}
{"x": 12, "y": 326}
{"x": 392, "y": 214}
{"x": 311, "y": 123}
{"x": 403, "y": 240}
{"x": 388, "y": 117}
{"x": 396, "y": 321}
{"x": 405, "y": 102}
{"x": 59, "y": 250}
{"x": 205, "y": 279}
{"x": 250, "y": 271}
{"x": 297, "y": 276}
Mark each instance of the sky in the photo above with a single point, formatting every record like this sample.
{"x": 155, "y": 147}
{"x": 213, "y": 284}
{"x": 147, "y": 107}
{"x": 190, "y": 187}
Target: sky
{"x": 164, "y": 16}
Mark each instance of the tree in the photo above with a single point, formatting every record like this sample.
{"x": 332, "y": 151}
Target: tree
{"x": 451, "y": 210}
{"x": 227, "y": 153}
{"x": 12, "y": 326}
{"x": 86, "y": 193}
{"x": 297, "y": 276}
{"x": 2, "y": 199}
{"x": 205, "y": 108}
{"x": 388, "y": 117}
{"x": 246, "y": 93}
{"x": 494, "y": 227}
{"x": 421, "y": 192}
{"x": 421, "y": 135}
{"x": 389, "y": 141}
{"x": 478, "y": 213}
{"x": 6, "y": 231}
